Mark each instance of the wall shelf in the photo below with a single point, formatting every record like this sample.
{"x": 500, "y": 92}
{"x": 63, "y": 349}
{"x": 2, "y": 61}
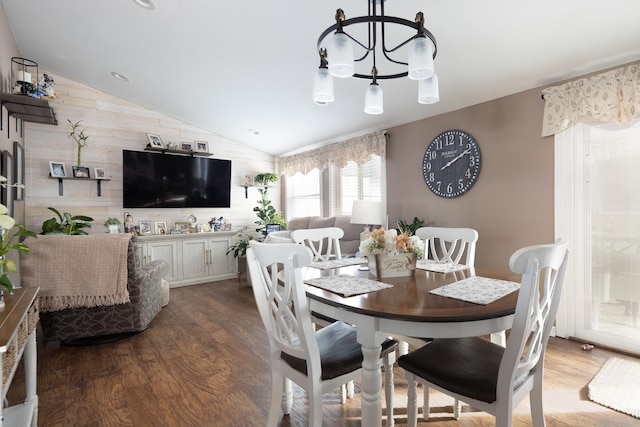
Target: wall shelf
{"x": 171, "y": 151}
{"x": 62, "y": 178}
{"x": 28, "y": 109}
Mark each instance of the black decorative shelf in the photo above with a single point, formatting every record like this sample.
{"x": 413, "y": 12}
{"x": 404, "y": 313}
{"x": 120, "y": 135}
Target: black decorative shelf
{"x": 28, "y": 109}
{"x": 62, "y": 178}
{"x": 172, "y": 151}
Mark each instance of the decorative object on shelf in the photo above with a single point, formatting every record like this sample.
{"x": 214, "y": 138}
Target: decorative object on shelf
{"x": 186, "y": 146}
{"x": 161, "y": 227}
{"x": 226, "y": 226}
{"x": 80, "y": 172}
{"x": 128, "y": 222}
{"x": 336, "y": 50}
{"x": 79, "y": 136}
{"x": 202, "y": 146}
{"x": 192, "y": 219}
{"x": 8, "y": 243}
{"x": 145, "y": 227}
{"x": 100, "y": 173}
{"x": 172, "y": 146}
{"x": 216, "y": 223}
{"x": 58, "y": 169}
{"x": 451, "y": 163}
{"x": 113, "y": 225}
{"x": 155, "y": 141}
{"x": 183, "y": 227}
{"x": 66, "y": 224}
{"x": 390, "y": 254}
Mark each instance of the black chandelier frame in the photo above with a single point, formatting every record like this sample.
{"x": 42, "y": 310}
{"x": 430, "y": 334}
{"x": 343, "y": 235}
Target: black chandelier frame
{"x": 372, "y": 19}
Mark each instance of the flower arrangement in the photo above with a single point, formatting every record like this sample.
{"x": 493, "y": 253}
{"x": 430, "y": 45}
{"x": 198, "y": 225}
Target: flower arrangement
{"x": 381, "y": 241}
{"x": 7, "y": 244}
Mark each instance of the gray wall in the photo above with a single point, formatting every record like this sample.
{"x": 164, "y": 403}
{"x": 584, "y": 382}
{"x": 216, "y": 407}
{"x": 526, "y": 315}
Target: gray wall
{"x": 511, "y": 203}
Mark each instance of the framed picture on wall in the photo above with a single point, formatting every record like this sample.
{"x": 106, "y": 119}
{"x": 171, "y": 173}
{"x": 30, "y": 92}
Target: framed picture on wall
{"x": 187, "y": 146}
{"x": 80, "y": 172}
{"x": 202, "y": 146}
{"x": 6, "y": 197}
{"x": 100, "y": 173}
{"x": 18, "y": 159}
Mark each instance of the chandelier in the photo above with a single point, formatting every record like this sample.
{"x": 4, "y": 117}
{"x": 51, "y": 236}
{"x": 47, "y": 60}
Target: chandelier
{"x": 337, "y": 50}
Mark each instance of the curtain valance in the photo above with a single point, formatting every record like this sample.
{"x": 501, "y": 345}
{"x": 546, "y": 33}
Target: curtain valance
{"x": 610, "y": 97}
{"x": 358, "y": 149}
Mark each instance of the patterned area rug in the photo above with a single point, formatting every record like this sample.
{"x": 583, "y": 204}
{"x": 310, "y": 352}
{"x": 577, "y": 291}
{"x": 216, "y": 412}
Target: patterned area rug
{"x": 616, "y": 386}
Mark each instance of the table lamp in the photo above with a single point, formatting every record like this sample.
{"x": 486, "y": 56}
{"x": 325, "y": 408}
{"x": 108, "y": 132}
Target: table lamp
{"x": 367, "y": 213}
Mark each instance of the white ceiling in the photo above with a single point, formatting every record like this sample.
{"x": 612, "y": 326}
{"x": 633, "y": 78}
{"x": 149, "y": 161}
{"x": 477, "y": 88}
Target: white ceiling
{"x": 231, "y": 66}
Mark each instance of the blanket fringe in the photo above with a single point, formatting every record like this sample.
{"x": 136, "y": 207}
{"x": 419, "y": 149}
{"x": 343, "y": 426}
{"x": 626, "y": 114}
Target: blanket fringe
{"x": 57, "y": 303}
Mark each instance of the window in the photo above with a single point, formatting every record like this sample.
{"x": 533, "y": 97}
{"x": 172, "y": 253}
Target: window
{"x": 303, "y": 194}
{"x": 306, "y": 194}
{"x": 352, "y": 182}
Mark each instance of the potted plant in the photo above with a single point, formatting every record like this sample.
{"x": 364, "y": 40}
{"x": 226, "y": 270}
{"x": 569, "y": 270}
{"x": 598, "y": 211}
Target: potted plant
{"x": 79, "y": 136}
{"x": 239, "y": 251}
{"x": 67, "y": 224}
{"x": 113, "y": 224}
{"x": 265, "y": 211}
{"x": 409, "y": 228}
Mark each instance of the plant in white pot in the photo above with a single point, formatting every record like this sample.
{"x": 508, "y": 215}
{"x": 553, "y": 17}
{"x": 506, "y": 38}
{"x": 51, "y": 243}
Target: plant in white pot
{"x": 113, "y": 225}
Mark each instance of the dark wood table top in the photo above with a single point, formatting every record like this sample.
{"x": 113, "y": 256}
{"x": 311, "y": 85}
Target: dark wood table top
{"x": 409, "y": 298}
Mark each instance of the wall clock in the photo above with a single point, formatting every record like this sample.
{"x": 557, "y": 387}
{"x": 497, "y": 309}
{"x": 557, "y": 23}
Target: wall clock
{"x": 451, "y": 163}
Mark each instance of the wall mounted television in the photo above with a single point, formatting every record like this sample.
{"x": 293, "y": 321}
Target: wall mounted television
{"x": 157, "y": 180}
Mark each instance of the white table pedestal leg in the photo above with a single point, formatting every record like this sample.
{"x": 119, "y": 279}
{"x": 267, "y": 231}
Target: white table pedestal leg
{"x": 371, "y": 378}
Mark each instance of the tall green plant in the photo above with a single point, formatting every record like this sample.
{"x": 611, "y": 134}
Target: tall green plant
{"x": 66, "y": 224}
{"x": 265, "y": 211}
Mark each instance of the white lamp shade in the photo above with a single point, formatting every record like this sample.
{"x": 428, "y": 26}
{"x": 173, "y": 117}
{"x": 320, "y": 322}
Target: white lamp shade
{"x": 340, "y": 56}
{"x": 322, "y": 87}
{"x": 420, "y": 59}
{"x": 428, "y": 90}
{"x": 366, "y": 212}
{"x": 373, "y": 100}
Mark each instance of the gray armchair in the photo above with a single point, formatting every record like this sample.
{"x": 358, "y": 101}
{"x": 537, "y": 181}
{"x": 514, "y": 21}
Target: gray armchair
{"x": 105, "y": 321}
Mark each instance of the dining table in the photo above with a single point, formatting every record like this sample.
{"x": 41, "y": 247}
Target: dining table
{"x": 407, "y": 308}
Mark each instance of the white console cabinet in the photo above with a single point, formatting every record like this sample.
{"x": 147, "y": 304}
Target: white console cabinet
{"x": 192, "y": 258}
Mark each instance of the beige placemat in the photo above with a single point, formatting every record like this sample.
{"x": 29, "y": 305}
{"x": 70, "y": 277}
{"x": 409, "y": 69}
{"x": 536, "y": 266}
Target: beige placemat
{"x": 337, "y": 263}
{"x": 346, "y": 285}
{"x": 439, "y": 267}
{"x": 616, "y": 386}
{"x": 478, "y": 290}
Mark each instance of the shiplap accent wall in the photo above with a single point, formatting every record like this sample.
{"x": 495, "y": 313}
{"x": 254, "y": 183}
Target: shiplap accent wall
{"x": 113, "y": 125}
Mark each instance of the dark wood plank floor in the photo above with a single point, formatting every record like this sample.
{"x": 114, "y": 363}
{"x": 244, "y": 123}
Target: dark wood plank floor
{"x": 204, "y": 362}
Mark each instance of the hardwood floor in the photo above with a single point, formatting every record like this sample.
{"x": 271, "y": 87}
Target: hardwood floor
{"x": 204, "y": 362}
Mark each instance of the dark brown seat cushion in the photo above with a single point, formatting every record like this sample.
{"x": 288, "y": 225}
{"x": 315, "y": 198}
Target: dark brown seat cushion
{"x": 340, "y": 352}
{"x": 468, "y": 366}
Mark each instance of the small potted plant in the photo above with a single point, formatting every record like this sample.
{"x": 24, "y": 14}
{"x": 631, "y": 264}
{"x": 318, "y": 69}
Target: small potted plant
{"x": 113, "y": 224}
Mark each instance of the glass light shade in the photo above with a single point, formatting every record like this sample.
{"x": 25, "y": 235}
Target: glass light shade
{"x": 373, "y": 100}
{"x": 428, "y": 90}
{"x": 322, "y": 87}
{"x": 420, "y": 59}
{"x": 340, "y": 56}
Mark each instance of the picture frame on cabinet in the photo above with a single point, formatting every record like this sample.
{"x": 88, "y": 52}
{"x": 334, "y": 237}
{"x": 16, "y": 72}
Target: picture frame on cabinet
{"x": 100, "y": 173}
{"x": 18, "y": 158}
{"x": 201, "y": 146}
{"x": 186, "y": 146}
{"x": 226, "y": 226}
{"x": 80, "y": 172}
{"x": 58, "y": 169}
{"x": 6, "y": 170}
{"x": 161, "y": 227}
{"x": 183, "y": 226}
{"x": 155, "y": 140}
{"x": 145, "y": 228}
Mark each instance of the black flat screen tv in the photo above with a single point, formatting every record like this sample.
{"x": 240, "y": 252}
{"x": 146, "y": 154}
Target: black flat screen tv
{"x": 157, "y": 180}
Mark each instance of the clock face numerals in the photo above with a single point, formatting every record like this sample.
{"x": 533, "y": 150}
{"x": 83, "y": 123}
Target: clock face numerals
{"x": 451, "y": 163}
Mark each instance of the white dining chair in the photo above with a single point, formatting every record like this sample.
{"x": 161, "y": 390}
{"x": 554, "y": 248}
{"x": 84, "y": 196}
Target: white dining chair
{"x": 323, "y": 242}
{"x": 488, "y": 376}
{"x": 449, "y": 244}
{"x": 317, "y": 361}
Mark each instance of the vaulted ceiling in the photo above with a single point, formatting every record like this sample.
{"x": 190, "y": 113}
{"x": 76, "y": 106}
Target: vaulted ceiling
{"x": 235, "y": 66}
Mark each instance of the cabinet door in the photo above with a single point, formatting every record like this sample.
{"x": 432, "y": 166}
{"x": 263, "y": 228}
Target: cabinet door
{"x": 168, "y": 252}
{"x": 221, "y": 263}
{"x": 195, "y": 258}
